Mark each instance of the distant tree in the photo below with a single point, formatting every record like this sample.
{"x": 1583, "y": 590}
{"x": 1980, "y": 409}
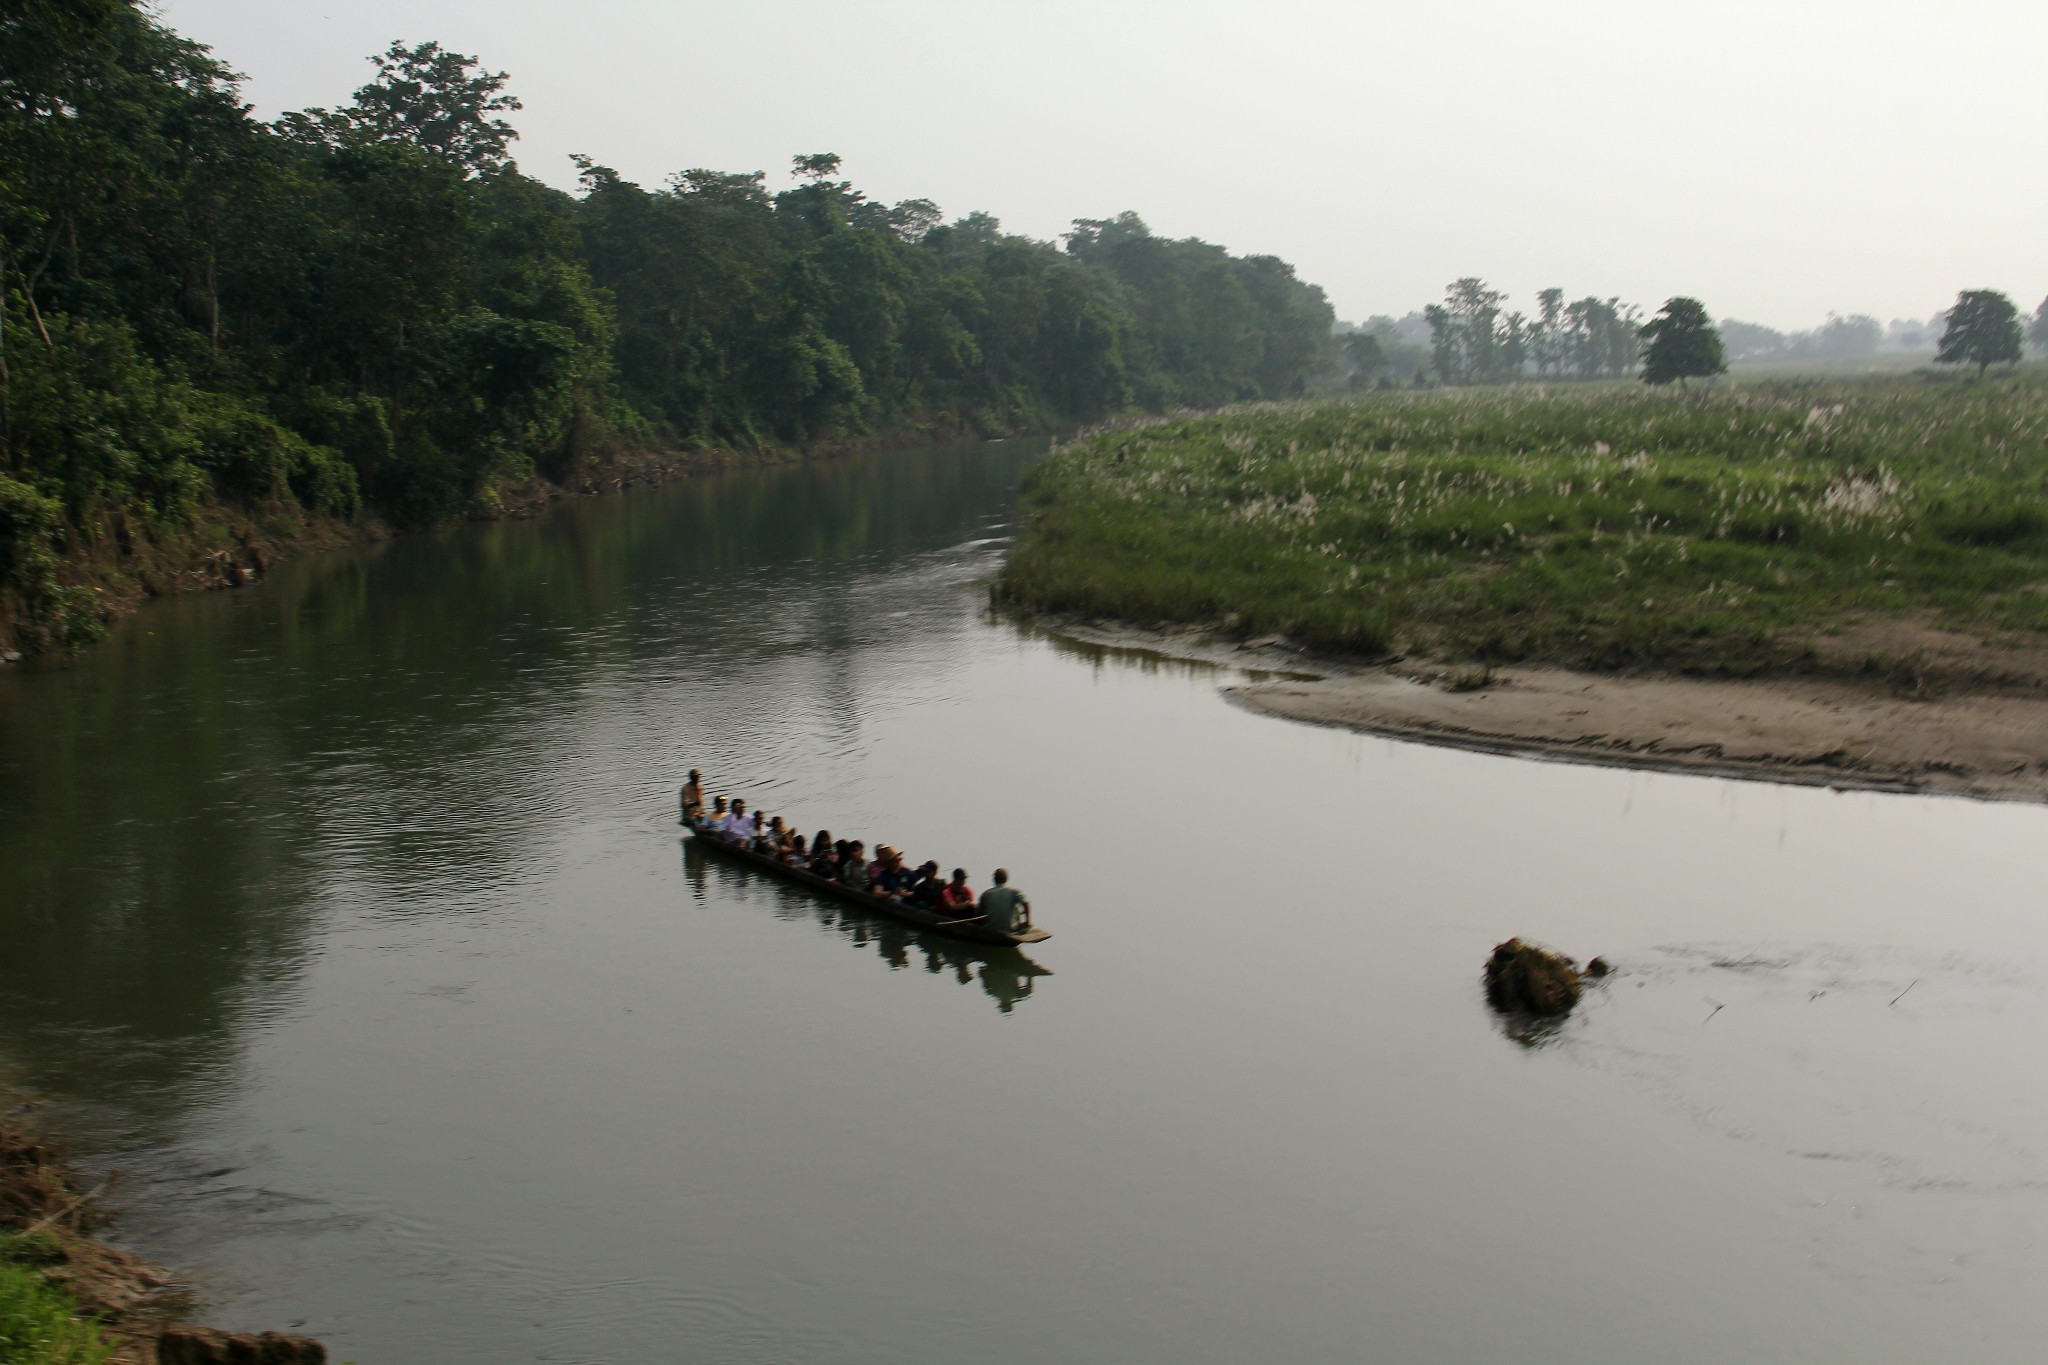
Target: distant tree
{"x": 428, "y": 97}
{"x": 913, "y": 219}
{"x": 1599, "y": 337}
{"x": 817, "y": 168}
{"x": 1546, "y": 342}
{"x": 1751, "y": 341}
{"x": 1983, "y": 329}
{"x": 729, "y": 188}
{"x": 1366, "y": 355}
{"x": 1624, "y": 337}
{"x": 2039, "y": 335}
{"x": 1444, "y": 352}
{"x": 1404, "y": 354}
{"x": 1470, "y": 342}
{"x": 1512, "y": 352}
{"x": 1092, "y": 236}
{"x": 1907, "y": 334}
{"x": 1844, "y": 338}
{"x": 1682, "y": 344}
{"x": 980, "y": 227}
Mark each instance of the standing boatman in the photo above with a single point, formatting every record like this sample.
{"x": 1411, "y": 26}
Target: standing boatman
{"x": 693, "y": 799}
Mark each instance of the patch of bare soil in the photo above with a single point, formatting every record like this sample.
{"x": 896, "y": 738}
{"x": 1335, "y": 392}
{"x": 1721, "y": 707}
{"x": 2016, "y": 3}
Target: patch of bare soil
{"x": 1891, "y": 706}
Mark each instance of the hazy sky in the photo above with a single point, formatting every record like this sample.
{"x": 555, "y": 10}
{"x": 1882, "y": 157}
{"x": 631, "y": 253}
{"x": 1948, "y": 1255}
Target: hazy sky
{"x": 1776, "y": 160}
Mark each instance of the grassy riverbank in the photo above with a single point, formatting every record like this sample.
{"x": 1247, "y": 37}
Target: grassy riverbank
{"x": 1611, "y": 528}
{"x": 65, "y": 1299}
{"x": 40, "y": 1324}
{"x": 68, "y": 1298}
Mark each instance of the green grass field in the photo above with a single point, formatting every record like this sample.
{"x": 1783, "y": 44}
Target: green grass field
{"x": 1604, "y": 527}
{"x": 39, "y": 1323}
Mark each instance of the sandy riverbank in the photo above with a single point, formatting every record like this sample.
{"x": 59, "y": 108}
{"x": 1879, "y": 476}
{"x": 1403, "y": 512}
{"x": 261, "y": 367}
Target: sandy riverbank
{"x": 1962, "y": 717}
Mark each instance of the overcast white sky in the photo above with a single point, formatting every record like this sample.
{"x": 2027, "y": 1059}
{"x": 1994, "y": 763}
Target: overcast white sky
{"x": 1775, "y": 160}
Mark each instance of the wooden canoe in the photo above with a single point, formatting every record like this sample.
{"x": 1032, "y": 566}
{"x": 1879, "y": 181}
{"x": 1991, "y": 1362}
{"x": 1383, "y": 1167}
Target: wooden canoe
{"x": 974, "y": 931}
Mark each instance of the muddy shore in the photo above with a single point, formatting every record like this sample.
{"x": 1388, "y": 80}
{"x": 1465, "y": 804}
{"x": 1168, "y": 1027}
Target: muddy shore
{"x": 1948, "y": 715}
{"x": 51, "y": 1222}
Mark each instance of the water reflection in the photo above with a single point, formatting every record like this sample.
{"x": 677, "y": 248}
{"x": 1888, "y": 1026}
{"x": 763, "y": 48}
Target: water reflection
{"x": 352, "y": 894}
{"x": 416, "y": 732}
{"x": 1531, "y": 1030}
{"x": 1006, "y": 975}
{"x": 1102, "y": 655}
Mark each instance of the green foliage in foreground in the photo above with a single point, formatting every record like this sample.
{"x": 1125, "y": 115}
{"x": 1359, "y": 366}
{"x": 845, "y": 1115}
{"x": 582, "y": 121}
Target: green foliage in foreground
{"x": 39, "y": 1323}
{"x": 371, "y": 307}
{"x": 1603, "y": 528}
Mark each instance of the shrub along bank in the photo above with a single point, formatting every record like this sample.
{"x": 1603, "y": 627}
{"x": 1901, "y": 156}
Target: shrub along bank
{"x": 1602, "y": 529}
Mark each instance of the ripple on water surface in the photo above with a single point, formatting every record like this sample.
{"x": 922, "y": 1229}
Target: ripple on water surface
{"x": 350, "y": 914}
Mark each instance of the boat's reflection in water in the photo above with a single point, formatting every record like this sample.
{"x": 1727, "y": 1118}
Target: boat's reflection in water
{"x": 1005, "y": 974}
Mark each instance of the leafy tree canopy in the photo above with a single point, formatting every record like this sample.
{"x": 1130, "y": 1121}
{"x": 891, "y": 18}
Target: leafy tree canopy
{"x": 430, "y": 98}
{"x": 1682, "y": 344}
{"x": 1983, "y": 330}
{"x": 372, "y": 307}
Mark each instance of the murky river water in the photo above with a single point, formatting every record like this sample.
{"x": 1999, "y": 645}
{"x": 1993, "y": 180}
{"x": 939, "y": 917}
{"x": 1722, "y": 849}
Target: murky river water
{"x": 349, "y": 916}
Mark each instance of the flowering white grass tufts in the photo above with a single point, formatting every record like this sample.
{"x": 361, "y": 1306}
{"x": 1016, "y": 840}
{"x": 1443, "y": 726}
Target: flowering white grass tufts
{"x": 1504, "y": 523}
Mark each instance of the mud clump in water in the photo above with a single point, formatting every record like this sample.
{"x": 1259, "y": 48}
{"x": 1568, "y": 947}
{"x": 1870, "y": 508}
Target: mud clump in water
{"x": 1522, "y": 978}
{"x": 204, "y": 1346}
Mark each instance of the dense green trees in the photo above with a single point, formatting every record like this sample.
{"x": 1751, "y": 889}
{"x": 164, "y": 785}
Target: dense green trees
{"x": 1681, "y": 344}
{"x": 1471, "y": 340}
{"x": 1474, "y": 340}
{"x": 1983, "y": 330}
{"x": 372, "y": 306}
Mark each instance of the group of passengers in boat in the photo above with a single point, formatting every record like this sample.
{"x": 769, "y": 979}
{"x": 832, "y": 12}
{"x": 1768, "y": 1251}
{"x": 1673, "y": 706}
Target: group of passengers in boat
{"x": 886, "y": 876}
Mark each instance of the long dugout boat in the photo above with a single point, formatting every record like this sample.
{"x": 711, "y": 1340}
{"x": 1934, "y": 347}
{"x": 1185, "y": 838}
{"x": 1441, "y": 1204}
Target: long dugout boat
{"x": 974, "y": 931}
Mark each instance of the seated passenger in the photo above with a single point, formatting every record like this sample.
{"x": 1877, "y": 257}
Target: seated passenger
{"x": 740, "y": 827}
{"x": 853, "y": 867}
{"x": 719, "y": 818}
{"x": 824, "y": 854}
{"x": 925, "y": 887}
{"x": 776, "y": 842}
{"x": 1006, "y": 907}
{"x": 894, "y": 880}
{"x": 795, "y": 853}
{"x": 957, "y": 900}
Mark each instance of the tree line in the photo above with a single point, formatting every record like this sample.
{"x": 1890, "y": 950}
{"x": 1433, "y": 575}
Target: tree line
{"x": 372, "y": 307}
{"x": 1472, "y": 337}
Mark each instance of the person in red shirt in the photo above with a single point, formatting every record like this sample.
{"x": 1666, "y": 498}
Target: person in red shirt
{"x": 956, "y": 900}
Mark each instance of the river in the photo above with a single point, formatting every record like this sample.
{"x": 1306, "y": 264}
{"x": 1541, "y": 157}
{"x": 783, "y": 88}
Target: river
{"x": 347, "y": 916}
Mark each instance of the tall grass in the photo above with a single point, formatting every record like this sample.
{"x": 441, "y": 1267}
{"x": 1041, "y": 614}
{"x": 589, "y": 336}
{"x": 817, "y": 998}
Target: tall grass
{"x": 1603, "y": 528}
{"x": 39, "y": 1323}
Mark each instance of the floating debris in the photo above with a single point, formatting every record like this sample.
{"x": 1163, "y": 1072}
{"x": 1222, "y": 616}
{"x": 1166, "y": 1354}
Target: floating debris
{"x": 1522, "y": 978}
